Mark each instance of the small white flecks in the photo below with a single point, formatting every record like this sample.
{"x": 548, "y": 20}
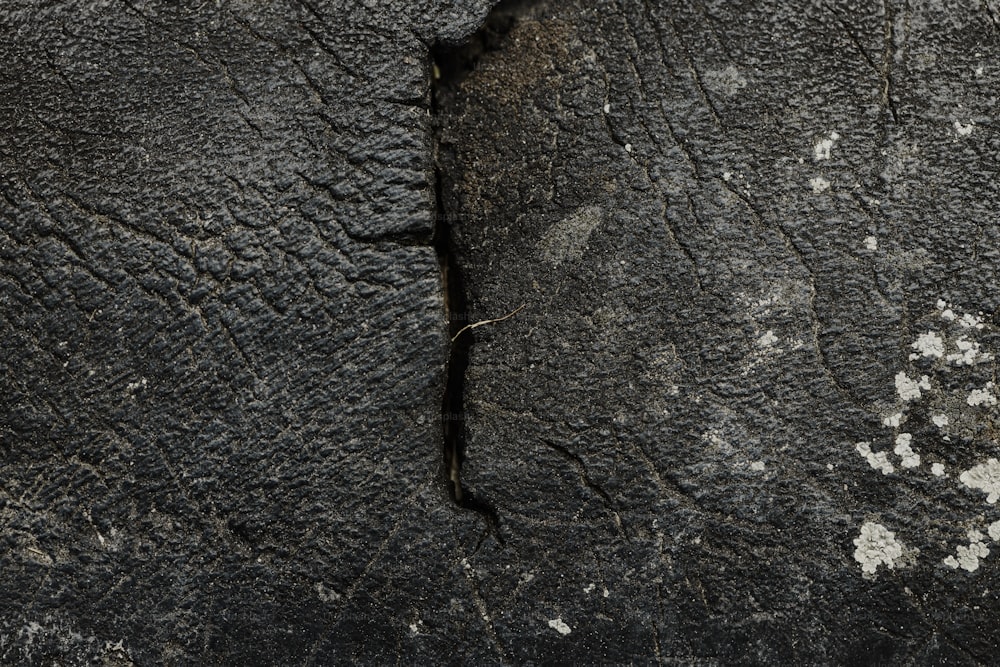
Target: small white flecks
{"x": 948, "y": 314}
{"x": 757, "y": 465}
{"x": 964, "y": 130}
{"x": 877, "y": 460}
{"x": 968, "y": 353}
{"x": 982, "y": 396}
{"x": 325, "y": 594}
{"x": 909, "y": 390}
{"x": 994, "y": 531}
{"x": 727, "y": 176}
{"x": 908, "y": 458}
{"x": 893, "y": 421}
{"x": 607, "y": 108}
{"x": 970, "y": 321}
{"x": 767, "y": 339}
{"x": 986, "y": 478}
{"x": 968, "y": 557}
{"x": 937, "y": 469}
{"x": 876, "y": 546}
{"x": 871, "y": 243}
{"x": 979, "y": 70}
{"x": 628, "y": 148}
{"x": 819, "y": 184}
{"x": 822, "y": 148}
{"x": 605, "y": 592}
{"x": 589, "y": 588}
{"x": 133, "y": 387}
{"x": 940, "y": 420}
{"x": 559, "y": 626}
{"x": 941, "y": 304}
{"x": 928, "y": 344}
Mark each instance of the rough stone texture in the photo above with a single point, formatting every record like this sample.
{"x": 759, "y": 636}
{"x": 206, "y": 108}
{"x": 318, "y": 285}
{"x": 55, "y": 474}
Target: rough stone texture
{"x": 730, "y": 223}
{"x": 223, "y": 336}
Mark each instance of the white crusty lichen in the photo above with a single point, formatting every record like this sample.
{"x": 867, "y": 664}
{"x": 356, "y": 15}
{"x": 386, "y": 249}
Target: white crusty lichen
{"x": 908, "y": 458}
{"x": 982, "y": 396}
{"x": 928, "y": 344}
{"x": 893, "y": 420}
{"x": 986, "y": 478}
{"x": 968, "y": 557}
{"x": 908, "y": 388}
{"x": 876, "y": 546}
{"x": 994, "y": 531}
{"x": 560, "y": 626}
{"x": 877, "y": 460}
{"x": 970, "y": 321}
{"x": 968, "y": 353}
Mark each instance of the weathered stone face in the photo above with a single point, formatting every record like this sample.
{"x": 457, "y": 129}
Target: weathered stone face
{"x": 737, "y": 406}
{"x": 747, "y": 413}
{"x": 224, "y": 338}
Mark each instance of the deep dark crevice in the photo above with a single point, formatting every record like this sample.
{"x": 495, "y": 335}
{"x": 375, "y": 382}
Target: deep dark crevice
{"x": 452, "y": 64}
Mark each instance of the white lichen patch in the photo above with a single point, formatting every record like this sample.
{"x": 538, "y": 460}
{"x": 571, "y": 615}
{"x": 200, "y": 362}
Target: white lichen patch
{"x": 568, "y": 238}
{"x": 980, "y": 397}
{"x": 970, "y": 321}
{"x": 876, "y": 546}
{"x": 757, "y": 466}
{"x": 877, "y": 460}
{"x": 560, "y": 626}
{"x": 964, "y": 129}
{"x": 908, "y": 388}
{"x": 986, "y": 478}
{"x": 822, "y": 147}
{"x": 962, "y": 406}
{"x": 908, "y": 458}
{"x": 994, "y": 531}
{"x": 819, "y": 184}
{"x": 727, "y": 81}
{"x": 767, "y": 340}
{"x": 968, "y": 353}
{"x": 893, "y": 420}
{"x": 871, "y": 243}
{"x": 968, "y": 557}
{"x": 929, "y": 345}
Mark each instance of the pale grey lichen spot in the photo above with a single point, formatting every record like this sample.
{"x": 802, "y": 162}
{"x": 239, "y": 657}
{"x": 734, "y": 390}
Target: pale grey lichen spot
{"x": 560, "y": 626}
{"x": 994, "y": 531}
{"x": 819, "y": 184}
{"x": 908, "y": 458}
{"x": 823, "y": 147}
{"x": 726, "y": 82}
{"x": 877, "y": 460}
{"x": 567, "y": 239}
{"x": 908, "y": 388}
{"x": 986, "y": 478}
{"x": 929, "y": 345}
{"x": 875, "y": 546}
{"x": 967, "y": 557}
{"x": 982, "y": 397}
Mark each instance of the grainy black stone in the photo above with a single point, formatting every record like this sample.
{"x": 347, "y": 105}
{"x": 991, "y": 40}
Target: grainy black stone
{"x": 223, "y": 336}
{"x": 729, "y": 222}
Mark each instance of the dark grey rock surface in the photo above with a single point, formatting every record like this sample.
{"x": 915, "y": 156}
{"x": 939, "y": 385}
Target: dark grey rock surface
{"x": 757, "y": 244}
{"x": 746, "y": 415}
{"x": 223, "y": 336}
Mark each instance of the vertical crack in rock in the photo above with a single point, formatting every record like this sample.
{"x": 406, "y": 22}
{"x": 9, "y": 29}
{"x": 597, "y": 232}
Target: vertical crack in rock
{"x": 451, "y": 64}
